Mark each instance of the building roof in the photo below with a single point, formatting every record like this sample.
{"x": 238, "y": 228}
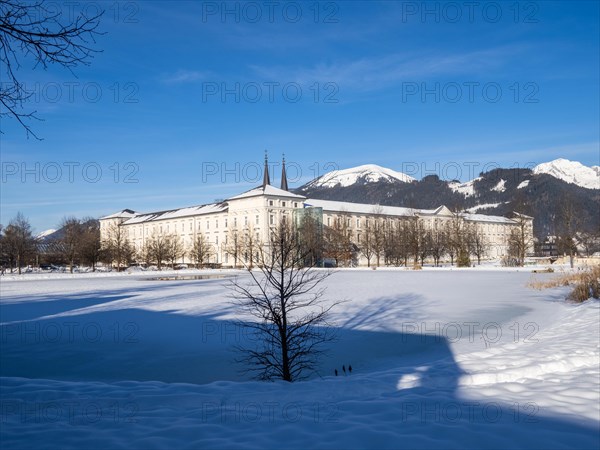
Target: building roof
{"x": 121, "y": 214}
{"x": 177, "y": 213}
{"x": 365, "y": 208}
{"x": 131, "y": 217}
{"x": 486, "y": 218}
{"x": 267, "y": 190}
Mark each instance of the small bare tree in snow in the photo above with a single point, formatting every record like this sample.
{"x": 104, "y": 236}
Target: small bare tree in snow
{"x": 285, "y": 299}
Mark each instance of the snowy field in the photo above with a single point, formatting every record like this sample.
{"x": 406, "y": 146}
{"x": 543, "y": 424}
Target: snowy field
{"x": 440, "y": 358}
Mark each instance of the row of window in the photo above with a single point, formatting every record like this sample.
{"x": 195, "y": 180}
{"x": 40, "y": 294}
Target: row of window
{"x": 283, "y": 203}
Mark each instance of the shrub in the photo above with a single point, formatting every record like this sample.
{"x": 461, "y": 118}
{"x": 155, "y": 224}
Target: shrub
{"x": 586, "y": 284}
{"x": 463, "y": 259}
{"x": 509, "y": 261}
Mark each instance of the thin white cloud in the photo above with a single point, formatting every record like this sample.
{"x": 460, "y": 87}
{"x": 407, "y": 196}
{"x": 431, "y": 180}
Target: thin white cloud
{"x": 374, "y": 73}
{"x": 186, "y": 76}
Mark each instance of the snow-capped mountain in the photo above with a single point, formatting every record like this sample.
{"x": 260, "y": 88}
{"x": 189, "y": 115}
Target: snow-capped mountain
{"x": 368, "y": 173}
{"x": 499, "y": 191}
{"x": 572, "y": 172}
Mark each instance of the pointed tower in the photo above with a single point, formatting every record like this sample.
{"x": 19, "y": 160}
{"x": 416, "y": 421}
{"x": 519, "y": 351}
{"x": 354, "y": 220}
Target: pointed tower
{"x": 266, "y": 179}
{"x": 284, "y": 185}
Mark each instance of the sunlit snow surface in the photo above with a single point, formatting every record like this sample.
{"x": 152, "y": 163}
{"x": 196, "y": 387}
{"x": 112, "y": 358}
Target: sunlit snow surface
{"x": 572, "y": 172}
{"x": 441, "y": 359}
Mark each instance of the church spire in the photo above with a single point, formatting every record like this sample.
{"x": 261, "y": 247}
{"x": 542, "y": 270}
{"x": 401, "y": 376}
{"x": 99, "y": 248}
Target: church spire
{"x": 266, "y": 179}
{"x": 284, "y": 185}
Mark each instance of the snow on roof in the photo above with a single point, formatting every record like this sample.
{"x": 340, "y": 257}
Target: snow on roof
{"x": 365, "y": 208}
{"x": 266, "y": 190}
{"x": 486, "y": 218}
{"x": 474, "y": 209}
{"x": 121, "y": 214}
{"x": 178, "y": 213}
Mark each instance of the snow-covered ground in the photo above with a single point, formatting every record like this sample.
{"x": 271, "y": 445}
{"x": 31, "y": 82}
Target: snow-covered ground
{"x": 441, "y": 359}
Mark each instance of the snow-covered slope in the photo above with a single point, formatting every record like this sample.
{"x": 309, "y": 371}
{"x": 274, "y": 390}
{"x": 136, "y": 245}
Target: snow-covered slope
{"x": 46, "y": 233}
{"x": 571, "y": 172}
{"x": 466, "y": 189}
{"x": 369, "y": 173}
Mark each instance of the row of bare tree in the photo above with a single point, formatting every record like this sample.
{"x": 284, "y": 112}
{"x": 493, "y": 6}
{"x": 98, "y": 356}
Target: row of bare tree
{"x": 404, "y": 241}
{"x": 78, "y": 242}
{"x": 380, "y": 240}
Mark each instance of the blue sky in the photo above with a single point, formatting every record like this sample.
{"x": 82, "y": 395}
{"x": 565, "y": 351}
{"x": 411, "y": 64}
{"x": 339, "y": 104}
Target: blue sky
{"x": 186, "y": 96}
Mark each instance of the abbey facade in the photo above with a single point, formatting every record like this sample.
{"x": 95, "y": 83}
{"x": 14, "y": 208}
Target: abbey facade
{"x": 258, "y": 210}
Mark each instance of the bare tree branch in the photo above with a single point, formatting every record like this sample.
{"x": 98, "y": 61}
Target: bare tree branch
{"x": 34, "y": 30}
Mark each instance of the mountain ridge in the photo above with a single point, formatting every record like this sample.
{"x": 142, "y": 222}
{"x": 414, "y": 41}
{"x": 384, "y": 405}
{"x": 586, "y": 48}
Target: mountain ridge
{"x": 538, "y": 192}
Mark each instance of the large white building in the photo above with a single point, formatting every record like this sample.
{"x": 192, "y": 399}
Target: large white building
{"x": 259, "y": 209}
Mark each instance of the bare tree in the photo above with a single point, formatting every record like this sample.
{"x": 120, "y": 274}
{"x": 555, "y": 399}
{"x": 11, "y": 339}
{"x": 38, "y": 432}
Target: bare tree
{"x": 40, "y": 31}
{"x": 589, "y": 242}
{"x": 174, "y": 249}
{"x": 378, "y": 238}
{"x": 337, "y": 241}
{"x": 285, "y": 298}
{"x": 250, "y": 245}
{"x": 158, "y": 248}
{"x": 234, "y": 245}
{"x": 18, "y": 243}
{"x": 71, "y": 239}
{"x": 438, "y": 241}
{"x": 201, "y": 250}
{"x": 116, "y": 247}
{"x": 458, "y": 239}
{"x": 520, "y": 239}
{"x": 478, "y": 242}
{"x": 417, "y": 237}
{"x": 567, "y": 227}
{"x": 90, "y": 248}
{"x": 309, "y": 225}
{"x": 366, "y": 242}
